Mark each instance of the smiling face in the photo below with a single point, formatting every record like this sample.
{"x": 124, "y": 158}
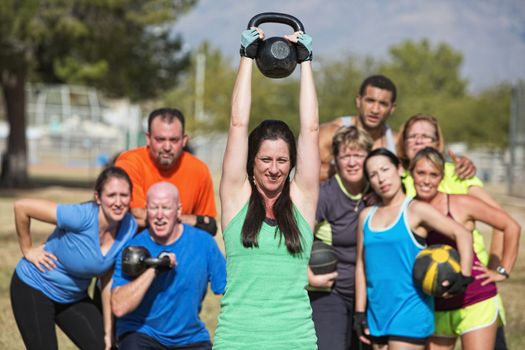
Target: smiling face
{"x": 163, "y": 212}
{"x": 374, "y": 106}
{"x": 114, "y": 199}
{"x": 421, "y": 134}
{"x": 272, "y": 166}
{"x": 165, "y": 142}
{"x": 384, "y": 176}
{"x": 349, "y": 163}
{"x": 427, "y": 177}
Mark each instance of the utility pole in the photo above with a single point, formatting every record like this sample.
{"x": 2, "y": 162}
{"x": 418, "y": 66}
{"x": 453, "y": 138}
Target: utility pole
{"x": 200, "y": 77}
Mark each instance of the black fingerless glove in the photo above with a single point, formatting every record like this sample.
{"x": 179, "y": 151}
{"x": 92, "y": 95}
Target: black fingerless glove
{"x": 460, "y": 285}
{"x": 249, "y": 43}
{"x": 360, "y": 323}
{"x": 250, "y": 51}
{"x": 304, "y": 48}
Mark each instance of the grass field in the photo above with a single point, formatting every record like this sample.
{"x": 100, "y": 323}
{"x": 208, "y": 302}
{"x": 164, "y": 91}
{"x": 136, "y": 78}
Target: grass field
{"x": 10, "y": 254}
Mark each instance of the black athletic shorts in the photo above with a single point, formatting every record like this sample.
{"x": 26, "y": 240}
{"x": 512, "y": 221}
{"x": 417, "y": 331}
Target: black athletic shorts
{"x": 384, "y": 340}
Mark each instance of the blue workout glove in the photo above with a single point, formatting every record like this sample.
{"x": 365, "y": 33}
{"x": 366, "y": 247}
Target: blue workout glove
{"x": 249, "y": 43}
{"x": 304, "y": 48}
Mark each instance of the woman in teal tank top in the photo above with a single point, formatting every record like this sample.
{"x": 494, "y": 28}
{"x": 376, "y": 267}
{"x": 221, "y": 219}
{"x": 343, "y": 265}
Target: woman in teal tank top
{"x": 389, "y": 237}
{"x": 267, "y": 219}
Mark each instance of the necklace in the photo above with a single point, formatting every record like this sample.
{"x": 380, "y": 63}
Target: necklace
{"x": 361, "y": 196}
{"x": 358, "y": 197}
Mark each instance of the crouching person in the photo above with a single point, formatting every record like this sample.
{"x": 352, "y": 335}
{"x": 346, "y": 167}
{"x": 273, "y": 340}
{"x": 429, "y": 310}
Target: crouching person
{"x": 161, "y": 278}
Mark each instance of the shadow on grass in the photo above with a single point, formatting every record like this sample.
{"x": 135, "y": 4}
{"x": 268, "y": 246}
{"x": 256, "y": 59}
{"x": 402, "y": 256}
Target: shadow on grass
{"x": 41, "y": 182}
{"x": 44, "y": 181}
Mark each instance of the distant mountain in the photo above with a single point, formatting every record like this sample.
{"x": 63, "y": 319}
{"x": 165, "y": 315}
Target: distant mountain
{"x": 490, "y": 34}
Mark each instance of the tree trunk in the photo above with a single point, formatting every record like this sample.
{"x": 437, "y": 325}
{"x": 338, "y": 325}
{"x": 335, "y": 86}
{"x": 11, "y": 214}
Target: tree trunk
{"x": 14, "y": 161}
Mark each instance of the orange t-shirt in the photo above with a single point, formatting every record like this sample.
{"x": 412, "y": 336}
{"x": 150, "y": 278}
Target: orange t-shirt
{"x": 191, "y": 176}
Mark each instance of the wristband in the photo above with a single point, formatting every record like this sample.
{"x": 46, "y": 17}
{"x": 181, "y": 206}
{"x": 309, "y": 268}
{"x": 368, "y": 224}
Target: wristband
{"x": 210, "y": 226}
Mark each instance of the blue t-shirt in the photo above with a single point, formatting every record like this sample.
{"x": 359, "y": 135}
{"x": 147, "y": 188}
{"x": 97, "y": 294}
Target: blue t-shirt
{"x": 169, "y": 311}
{"x": 75, "y": 242}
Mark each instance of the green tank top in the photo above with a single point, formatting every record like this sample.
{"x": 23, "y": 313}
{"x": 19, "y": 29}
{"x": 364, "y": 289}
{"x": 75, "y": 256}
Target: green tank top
{"x": 265, "y": 305}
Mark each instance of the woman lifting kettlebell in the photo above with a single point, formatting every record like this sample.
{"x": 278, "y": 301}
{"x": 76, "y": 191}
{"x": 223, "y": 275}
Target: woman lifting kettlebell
{"x": 267, "y": 217}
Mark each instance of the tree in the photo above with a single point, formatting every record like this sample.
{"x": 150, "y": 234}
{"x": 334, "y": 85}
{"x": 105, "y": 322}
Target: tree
{"x": 271, "y": 98}
{"x": 426, "y": 76}
{"x": 337, "y": 86}
{"x": 217, "y": 85}
{"x": 429, "y": 81}
{"x": 488, "y": 122}
{"x": 123, "y": 47}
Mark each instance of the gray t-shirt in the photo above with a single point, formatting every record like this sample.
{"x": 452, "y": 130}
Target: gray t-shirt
{"x": 337, "y": 217}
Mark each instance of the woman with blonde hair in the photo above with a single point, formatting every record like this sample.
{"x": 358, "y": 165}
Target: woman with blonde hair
{"x": 422, "y": 130}
{"x": 472, "y": 315}
{"x": 341, "y": 199}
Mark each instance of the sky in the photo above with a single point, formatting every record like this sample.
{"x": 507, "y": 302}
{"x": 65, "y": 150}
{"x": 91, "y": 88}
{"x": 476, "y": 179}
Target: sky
{"x": 489, "y": 33}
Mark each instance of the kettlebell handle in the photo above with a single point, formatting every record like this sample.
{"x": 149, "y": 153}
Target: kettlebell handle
{"x": 276, "y": 17}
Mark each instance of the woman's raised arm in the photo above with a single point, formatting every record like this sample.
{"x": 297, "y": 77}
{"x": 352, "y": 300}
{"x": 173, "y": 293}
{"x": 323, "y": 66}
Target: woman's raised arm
{"x": 234, "y": 187}
{"x": 306, "y": 177}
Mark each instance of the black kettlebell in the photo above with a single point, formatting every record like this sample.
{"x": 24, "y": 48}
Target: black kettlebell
{"x": 276, "y": 56}
{"x": 136, "y": 259}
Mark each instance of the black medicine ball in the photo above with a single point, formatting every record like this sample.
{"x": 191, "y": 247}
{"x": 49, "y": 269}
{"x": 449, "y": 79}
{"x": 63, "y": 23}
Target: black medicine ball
{"x": 434, "y": 265}
{"x": 323, "y": 259}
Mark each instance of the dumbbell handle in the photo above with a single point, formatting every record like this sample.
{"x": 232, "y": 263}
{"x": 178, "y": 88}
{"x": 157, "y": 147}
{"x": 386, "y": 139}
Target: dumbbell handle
{"x": 163, "y": 261}
{"x": 136, "y": 259}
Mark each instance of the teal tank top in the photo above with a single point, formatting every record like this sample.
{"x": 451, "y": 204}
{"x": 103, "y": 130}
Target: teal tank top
{"x": 265, "y": 305}
{"x": 396, "y": 307}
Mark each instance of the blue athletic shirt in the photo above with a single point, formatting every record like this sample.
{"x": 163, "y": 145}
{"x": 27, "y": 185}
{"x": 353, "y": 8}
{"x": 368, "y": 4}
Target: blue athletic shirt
{"x": 169, "y": 311}
{"x": 395, "y": 305}
{"x": 75, "y": 243}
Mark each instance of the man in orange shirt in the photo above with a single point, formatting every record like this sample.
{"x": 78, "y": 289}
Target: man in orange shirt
{"x": 164, "y": 159}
